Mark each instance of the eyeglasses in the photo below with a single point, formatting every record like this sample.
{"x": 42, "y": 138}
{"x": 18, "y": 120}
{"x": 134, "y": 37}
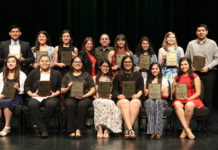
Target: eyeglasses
{"x": 127, "y": 62}
{"x": 77, "y": 62}
{"x": 105, "y": 66}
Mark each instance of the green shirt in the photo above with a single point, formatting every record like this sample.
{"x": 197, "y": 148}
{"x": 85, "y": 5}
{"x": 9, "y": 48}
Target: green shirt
{"x": 100, "y": 54}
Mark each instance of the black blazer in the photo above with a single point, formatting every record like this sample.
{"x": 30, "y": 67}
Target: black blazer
{"x": 34, "y": 76}
{"x": 25, "y": 50}
{"x": 87, "y": 62}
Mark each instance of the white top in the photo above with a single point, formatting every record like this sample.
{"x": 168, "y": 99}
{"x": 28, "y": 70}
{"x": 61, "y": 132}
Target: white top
{"x": 21, "y": 82}
{"x": 164, "y": 83}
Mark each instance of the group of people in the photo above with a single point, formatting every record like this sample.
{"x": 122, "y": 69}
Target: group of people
{"x": 93, "y": 65}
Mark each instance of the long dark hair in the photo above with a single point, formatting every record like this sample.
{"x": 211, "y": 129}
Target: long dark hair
{"x": 71, "y": 67}
{"x": 122, "y": 69}
{"x": 121, "y": 37}
{"x": 60, "y": 38}
{"x": 190, "y": 72}
{"x": 139, "y": 49}
{"x": 109, "y": 74}
{"x": 6, "y": 69}
{"x": 151, "y": 77}
{"x": 37, "y": 44}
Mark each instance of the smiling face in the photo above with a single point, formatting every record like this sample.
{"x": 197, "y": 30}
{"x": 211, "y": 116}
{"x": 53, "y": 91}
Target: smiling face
{"x": 15, "y": 34}
{"x": 155, "y": 70}
{"x": 11, "y": 63}
{"x": 89, "y": 46}
{"x": 77, "y": 64}
{"x": 127, "y": 64}
{"x": 121, "y": 43}
{"x": 66, "y": 38}
{"x": 44, "y": 63}
{"x": 145, "y": 45}
{"x": 42, "y": 38}
{"x": 201, "y": 33}
{"x": 184, "y": 66}
{"x": 104, "y": 68}
{"x": 171, "y": 39}
{"x": 104, "y": 40}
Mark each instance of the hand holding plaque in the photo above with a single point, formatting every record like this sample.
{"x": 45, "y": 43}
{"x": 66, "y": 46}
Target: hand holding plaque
{"x": 77, "y": 89}
{"x": 181, "y": 90}
{"x": 154, "y": 91}
{"x": 198, "y": 62}
{"x": 15, "y": 50}
{"x": 144, "y": 61}
{"x": 44, "y": 88}
{"x": 119, "y": 58}
{"x": 9, "y": 90}
{"x": 171, "y": 59}
{"x": 104, "y": 89}
{"x": 66, "y": 57}
{"x": 39, "y": 54}
{"x": 128, "y": 88}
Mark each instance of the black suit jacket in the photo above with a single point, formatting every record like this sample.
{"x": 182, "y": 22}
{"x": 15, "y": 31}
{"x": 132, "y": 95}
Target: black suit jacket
{"x": 34, "y": 76}
{"x": 25, "y": 50}
{"x": 87, "y": 62}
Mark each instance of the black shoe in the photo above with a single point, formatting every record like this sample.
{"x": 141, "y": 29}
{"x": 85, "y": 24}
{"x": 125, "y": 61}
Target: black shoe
{"x": 72, "y": 136}
{"x": 37, "y": 132}
{"x": 78, "y": 137}
{"x": 44, "y": 134}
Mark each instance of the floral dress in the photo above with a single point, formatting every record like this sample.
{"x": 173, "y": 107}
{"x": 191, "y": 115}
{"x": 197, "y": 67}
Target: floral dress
{"x": 107, "y": 113}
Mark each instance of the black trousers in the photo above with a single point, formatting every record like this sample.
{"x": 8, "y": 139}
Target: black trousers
{"x": 76, "y": 110}
{"x": 50, "y": 105}
{"x": 208, "y": 80}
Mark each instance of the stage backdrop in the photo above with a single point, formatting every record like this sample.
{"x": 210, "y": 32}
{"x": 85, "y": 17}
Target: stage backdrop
{"x": 134, "y": 18}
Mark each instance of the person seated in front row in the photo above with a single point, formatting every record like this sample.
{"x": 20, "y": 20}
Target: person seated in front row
{"x": 129, "y": 105}
{"x": 155, "y": 107}
{"x": 11, "y": 74}
{"x": 36, "y": 100}
{"x": 76, "y": 119}
{"x": 184, "y": 107}
{"x": 107, "y": 115}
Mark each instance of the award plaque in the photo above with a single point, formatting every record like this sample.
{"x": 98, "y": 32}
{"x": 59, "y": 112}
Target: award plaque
{"x": 9, "y": 90}
{"x": 181, "y": 90}
{"x": 104, "y": 89}
{"x": 119, "y": 58}
{"x": 77, "y": 89}
{"x": 39, "y": 54}
{"x": 128, "y": 88}
{"x": 44, "y": 88}
{"x": 66, "y": 57}
{"x": 15, "y": 50}
{"x": 198, "y": 62}
{"x": 144, "y": 61}
{"x": 154, "y": 91}
{"x": 171, "y": 59}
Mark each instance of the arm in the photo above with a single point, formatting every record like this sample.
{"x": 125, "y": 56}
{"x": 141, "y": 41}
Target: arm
{"x": 197, "y": 83}
{"x": 22, "y": 81}
{"x": 165, "y": 92}
{"x": 182, "y": 52}
{"x": 28, "y": 59}
{"x": 110, "y": 54}
{"x": 75, "y": 53}
{"x": 161, "y": 57}
{"x": 215, "y": 58}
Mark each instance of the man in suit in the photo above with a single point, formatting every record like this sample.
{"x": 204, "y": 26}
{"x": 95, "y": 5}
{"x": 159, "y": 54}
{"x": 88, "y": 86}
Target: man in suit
{"x": 26, "y": 57}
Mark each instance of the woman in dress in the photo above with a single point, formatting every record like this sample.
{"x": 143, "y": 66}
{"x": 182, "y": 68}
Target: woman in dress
{"x": 66, "y": 42}
{"x": 107, "y": 115}
{"x": 184, "y": 107}
{"x": 12, "y": 74}
{"x": 120, "y": 47}
{"x": 169, "y": 45}
{"x": 144, "y": 48}
{"x": 75, "y": 120}
{"x": 155, "y": 107}
{"x": 129, "y": 106}
{"x": 43, "y": 43}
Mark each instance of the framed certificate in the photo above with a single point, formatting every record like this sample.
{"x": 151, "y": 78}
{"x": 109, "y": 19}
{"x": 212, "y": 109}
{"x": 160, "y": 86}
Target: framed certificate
{"x": 171, "y": 59}
{"x": 119, "y": 58}
{"x": 77, "y": 89}
{"x": 66, "y": 57}
{"x": 104, "y": 89}
{"x": 39, "y": 54}
{"x": 144, "y": 61}
{"x": 181, "y": 90}
{"x": 9, "y": 90}
{"x": 15, "y": 50}
{"x": 44, "y": 88}
{"x": 198, "y": 62}
{"x": 128, "y": 88}
{"x": 154, "y": 91}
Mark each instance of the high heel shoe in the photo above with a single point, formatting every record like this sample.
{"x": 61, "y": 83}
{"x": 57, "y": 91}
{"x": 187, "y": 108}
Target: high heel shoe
{"x": 183, "y": 134}
{"x": 190, "y": 134}
{"x": 3, "y": 133}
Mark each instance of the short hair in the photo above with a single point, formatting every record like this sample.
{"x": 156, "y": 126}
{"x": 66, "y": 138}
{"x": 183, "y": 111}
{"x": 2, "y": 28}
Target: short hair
{"x": 14, "y": 26}
{"x": 104, "y": 34}
{"x": 44, "y": 55}
{"x": 201, "y": 25}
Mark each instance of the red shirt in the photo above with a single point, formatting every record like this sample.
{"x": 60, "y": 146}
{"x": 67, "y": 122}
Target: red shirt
{"x": 93, "y": 62}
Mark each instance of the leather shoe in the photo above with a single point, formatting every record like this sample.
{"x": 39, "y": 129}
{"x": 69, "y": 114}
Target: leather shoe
{"x": 44, "y": 134}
